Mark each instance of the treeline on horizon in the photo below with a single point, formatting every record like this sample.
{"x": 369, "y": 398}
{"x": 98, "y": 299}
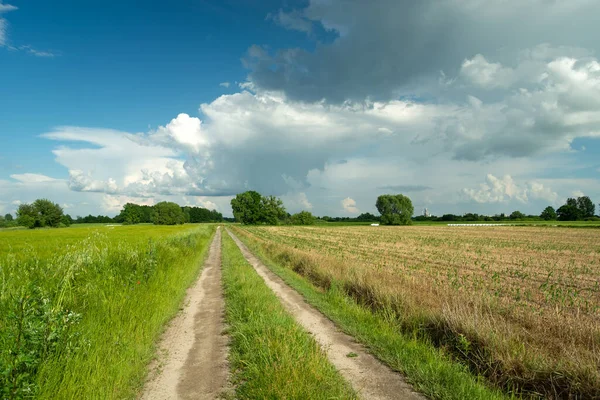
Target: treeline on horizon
{"x": 258, "y": 209}
{"x": 44, "y": 213}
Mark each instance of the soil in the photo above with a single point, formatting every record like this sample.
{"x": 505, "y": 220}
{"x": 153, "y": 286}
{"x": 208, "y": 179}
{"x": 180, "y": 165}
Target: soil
{"x": 192, "y": 357}
{"x": 367, "y": 375}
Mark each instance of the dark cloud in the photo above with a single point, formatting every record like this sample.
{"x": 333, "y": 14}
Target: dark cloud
{"x": 385, "y": 46}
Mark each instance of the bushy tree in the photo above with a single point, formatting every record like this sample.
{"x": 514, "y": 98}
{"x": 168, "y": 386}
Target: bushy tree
{"x": 39, "y": 214}
{"x": 247, "y": 207}
{"x": 168, "y": 213}
{"x": 568, "y": 211}
{"x": 575, "y": 209}
{"x": 251, "y": 208}
{"x": 586, "y": 207}
{"x": 395, "y": 209}
{"x": 549, "y": 214}
{"x": 8, "y": 217}
{"x": 272, "y": 210}
{"x": 303, "y": 218}
{"x": 517, "y": 215}
{"x": 367, "y": 217}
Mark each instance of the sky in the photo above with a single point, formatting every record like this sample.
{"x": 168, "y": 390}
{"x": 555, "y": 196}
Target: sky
{"x": 485, "y": 106}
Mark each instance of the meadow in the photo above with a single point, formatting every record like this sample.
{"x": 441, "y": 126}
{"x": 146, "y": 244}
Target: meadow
{"x": 519, "y": 306}
{"x": 83, "y": 306}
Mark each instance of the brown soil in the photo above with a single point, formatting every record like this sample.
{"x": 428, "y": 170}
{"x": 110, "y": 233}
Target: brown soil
{"x": 192, "y": 361}
{"x": 367, "y": 375}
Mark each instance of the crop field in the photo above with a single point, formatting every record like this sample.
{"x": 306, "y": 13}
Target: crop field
{"x": 82, "y": 307}
{"x": 517, "y": 305}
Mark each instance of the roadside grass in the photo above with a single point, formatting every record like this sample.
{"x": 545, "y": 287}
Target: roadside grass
{"x": 82, "y": 323}
{"x": 48, "y": 242}
{"x": 431, "y": 371}
{"x": 271, "y": 356}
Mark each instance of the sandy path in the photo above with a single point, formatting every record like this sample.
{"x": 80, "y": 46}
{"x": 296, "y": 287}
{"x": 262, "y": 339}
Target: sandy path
{"x": 192, "y": 362}
{"x": 367, "y": 375}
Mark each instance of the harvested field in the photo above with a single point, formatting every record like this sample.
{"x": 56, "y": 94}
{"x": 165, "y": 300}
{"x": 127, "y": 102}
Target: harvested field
{"x": 518, "y": 305}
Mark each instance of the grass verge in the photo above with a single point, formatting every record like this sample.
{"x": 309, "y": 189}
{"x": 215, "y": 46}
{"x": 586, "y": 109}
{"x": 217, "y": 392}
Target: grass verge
{"x": 83, "y": 323}
{"x": 429, "y": 370}
{"x": 271, "y": 356}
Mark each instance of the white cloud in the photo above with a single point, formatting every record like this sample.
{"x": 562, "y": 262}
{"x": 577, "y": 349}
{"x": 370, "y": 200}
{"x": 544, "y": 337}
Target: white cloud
{"x": 7, "y": 7}
{"x": 33, "y": 178}
{"x": 484, "y": 74}
{"x": 114, "y": 203}
{"x": 224, "y": 84}
{"x": 292, "y": 20}
{"x": 577, "y": 193}
{"x": 349, "y": 206}
{"x": 81, "y": 182}
{"x": 505, "y": 189}
{"x": 296, "y": 202}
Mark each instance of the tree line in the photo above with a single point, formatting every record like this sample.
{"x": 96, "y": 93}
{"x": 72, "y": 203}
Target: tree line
{"x": 575, "y": 209}
{"x": 252, "y": 208}
{"x": 44, "y": 213}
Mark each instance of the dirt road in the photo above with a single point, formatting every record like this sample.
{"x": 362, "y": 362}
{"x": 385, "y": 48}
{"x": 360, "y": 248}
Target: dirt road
{"x": 367, "y": 375}
{"x": 192, "y": 362}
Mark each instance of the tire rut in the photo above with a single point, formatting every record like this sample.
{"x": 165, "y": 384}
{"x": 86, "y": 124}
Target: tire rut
{"x": 192, "y": 362}
{"x": 367, "y": 375}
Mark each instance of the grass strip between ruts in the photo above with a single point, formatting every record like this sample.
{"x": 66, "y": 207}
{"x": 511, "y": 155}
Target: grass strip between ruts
{"x": 428, "y": 369}
{"x": 271, "y": 356}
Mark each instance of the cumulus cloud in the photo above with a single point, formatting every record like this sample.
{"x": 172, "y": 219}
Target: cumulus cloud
{"x": 478, "y": 71}
{"x": 349, "y": 206}
{"x": 296, "y": 202}
{"x": 224, "y": 84}
{"x": 82, "y": 182}
{"x": 505, "y": 189}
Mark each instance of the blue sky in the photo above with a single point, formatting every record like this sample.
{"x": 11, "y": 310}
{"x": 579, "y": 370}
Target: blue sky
{"x": 460, "y": 105}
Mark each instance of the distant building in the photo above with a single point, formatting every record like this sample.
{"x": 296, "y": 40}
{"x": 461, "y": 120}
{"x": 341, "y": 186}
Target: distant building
{"x": 426, "y": 213}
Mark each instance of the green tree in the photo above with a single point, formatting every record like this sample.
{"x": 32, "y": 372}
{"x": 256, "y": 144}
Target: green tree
{"x": 395, "y": 209}
{"x": 549, "y": 214}
{"x": 40, "y": 214}
{"x": 303, "y": 218}
{"x": 569, "y": 211}
{"x": 272, "y": 210}
{"x": 517, "y": 215}
{"x": 586, "y": 207}
{"x": 168, "y": 213}
{"x": 50, "y": 213}
{"x": 8, "y": 217}
{"x": 67, "y": 220}
{"x": 130, "y": 214}
{"x": 247, "y": 207}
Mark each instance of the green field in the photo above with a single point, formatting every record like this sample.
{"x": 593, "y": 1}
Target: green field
{"x": 82, "y": 307}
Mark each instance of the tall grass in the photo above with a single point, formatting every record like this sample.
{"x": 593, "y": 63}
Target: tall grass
{"x": 82, "y": 323}
{"x": 271, "y": 355}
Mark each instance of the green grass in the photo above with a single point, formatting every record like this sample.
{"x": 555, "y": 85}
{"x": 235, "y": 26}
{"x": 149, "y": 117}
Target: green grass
{"x": 271, "y": 356}
{"x": 80, "y": 317}
{"x": 47, "y": 242}
{"x": 429, "y": 370}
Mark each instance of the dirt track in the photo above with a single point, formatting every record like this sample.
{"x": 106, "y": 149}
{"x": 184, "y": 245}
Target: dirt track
{"x": 192, "y": 362}
{"x": 367, "y": 375}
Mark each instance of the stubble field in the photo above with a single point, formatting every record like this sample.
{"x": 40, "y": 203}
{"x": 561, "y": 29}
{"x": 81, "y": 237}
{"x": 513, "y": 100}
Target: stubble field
{"x": 518, "y": 305}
